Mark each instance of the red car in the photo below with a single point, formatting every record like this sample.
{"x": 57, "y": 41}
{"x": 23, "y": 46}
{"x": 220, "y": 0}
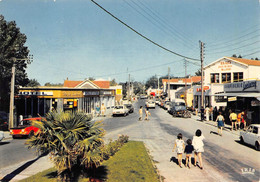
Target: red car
{"x": 25, "y": 128}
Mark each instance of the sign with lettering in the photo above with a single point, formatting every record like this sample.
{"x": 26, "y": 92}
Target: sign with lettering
{"x": 243, "y": 86}
{"x": 225, "y": 65}
{"x": 89, "y": 93}
{"x": 35, "y": 93}
{"x": 71, "y": 94}
{"x": 105, "y": 92}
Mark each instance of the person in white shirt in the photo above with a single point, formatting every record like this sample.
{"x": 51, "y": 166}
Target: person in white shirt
{"x": 198, "y": 145}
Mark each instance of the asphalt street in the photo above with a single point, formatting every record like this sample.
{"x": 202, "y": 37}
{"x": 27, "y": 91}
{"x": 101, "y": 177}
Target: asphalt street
{"x": 225, "y": 159}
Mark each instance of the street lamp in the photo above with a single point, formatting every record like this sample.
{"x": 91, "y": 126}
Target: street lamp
{"x": 11, "y": 110}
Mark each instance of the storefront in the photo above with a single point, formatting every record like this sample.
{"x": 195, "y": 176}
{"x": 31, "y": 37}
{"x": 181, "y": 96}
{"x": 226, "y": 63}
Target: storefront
{"x": 244, "y": 96}
{"x": 39, "y": 101}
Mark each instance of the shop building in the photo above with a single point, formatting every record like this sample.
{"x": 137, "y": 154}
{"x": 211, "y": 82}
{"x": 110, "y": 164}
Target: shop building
{"x": 74, "y": 95}
{"x": 177, "y": 84}
{"x": 222, "y": 71}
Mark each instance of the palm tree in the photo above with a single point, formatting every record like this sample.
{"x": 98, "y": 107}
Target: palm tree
{"x": 71, "y": 139}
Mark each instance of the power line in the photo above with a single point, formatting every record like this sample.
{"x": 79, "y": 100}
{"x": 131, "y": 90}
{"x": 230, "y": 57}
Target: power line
{"x": 158, "y": 20}
{"x": 177, "y": 54}
{"x": 233, "y": 39}
{"x": 235, "y": 43}
{"x": 251, "y": 54}
{"x": 235, "y": 48}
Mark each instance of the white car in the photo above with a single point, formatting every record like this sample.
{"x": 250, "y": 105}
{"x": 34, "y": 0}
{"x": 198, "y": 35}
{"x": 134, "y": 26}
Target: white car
{"x": 251, "y": 136}
{"x": 1, "y": 135}
{"x": 120, "y": 110}
{"x": 150, "y": 104}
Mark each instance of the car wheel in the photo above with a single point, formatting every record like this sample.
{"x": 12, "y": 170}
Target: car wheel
{"x": 14, "y": 137}
{"x": 257, "y": 147}
{"x": 241, "y": 140}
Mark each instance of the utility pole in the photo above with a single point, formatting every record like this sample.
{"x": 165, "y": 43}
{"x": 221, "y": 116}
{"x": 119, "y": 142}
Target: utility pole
{"x": 11, "y": 107}
{"x": 158, "y": 86}
{"x": 185, "y": 93}
{"x": 202, "y": 79}
{"x": 128, "y": 87}
{"x": 169, "y": 96}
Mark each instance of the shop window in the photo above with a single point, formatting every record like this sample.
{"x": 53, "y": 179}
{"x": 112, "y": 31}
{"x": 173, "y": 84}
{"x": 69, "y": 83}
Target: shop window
{"x": 226, "y": 77}
{"x": 214, "y": 78}
{"x": 238, "y": 76}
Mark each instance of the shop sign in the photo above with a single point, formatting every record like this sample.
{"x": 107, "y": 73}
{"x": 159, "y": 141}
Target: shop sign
{"x": 230, "y": 99}
{"x": 71, "y": 94}
{"x": 255, "y": 103}
{"x": 36, "y": 93}
{"x": 225, "y": 65}
{"x": 220, "y": 99}
{"x": 118, "y": 91}
{"x": 106, "y": 92}
{"x": 242, "y": 86}
{"x": 206, "y": 87}
{"x": 91, "y": 93}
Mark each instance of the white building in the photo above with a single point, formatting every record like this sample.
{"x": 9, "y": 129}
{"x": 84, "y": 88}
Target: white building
{"x": 222, "y": 71}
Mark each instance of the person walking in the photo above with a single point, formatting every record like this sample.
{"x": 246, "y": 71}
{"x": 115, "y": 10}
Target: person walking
{"x": 233, "y": 119}
{"x": 97, "y": 110}
{"x": 179, "y": 146}
{"x": 220, "y": 120}
{"x": 147, "y": 114}
{"x": 188, "y": 150}
{"x": 207, "y": 113}
{"x": 211, "y": 113}
{"x": 244, "y": 120}
{"x": 198, "y": 145}
{"x": 103, "y": 110}
{"x": 141, "y": 113}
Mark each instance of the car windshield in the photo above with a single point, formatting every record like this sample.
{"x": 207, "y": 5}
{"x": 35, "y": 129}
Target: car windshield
{"x": 119, "y": 107}
{"x": 25, "y": 122}
{"x": 180, "y": 108}
{"x": 128, "y": 105}
{"x": 180, "y": 104}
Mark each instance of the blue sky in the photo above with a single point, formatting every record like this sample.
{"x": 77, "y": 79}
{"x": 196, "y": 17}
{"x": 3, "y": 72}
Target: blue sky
{"x": 75, "y": 39}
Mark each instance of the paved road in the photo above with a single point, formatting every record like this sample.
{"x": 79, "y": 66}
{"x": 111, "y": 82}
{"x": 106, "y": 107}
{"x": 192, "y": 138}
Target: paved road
{"x": 224, "y": 157}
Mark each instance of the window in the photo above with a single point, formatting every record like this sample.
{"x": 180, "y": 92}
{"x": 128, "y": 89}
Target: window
{"x": 238, "y": 76}
{"x": 226, "y": 77}
{"x": 255, "y": 130}
{"x": 214, "y": 78}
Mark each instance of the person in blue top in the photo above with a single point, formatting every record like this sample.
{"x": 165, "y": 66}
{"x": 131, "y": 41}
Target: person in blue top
{"x": 188, "y": 150}
{"x": 97, "y": 110}
{"x": 220, "y": 119}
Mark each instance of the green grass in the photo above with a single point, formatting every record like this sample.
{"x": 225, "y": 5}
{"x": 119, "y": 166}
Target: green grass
{"x": 130, "y": 163}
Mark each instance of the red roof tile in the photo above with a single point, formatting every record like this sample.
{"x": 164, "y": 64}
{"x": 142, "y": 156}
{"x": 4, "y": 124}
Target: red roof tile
{"x": 246, "y": 61}
{"x": 102, "y": 84}
{"x": 189, "y": 80}
{"x": 71, "y": 84}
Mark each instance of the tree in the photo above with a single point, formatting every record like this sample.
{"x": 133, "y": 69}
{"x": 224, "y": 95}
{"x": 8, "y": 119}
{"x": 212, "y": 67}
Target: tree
{"x": 12, "y": 43}
{"x": 239, "y": 56}
{"x": 234, "y": 56}
{"x": 198, "y": 73}
{"x": 72, "y": 140}
{"x": 113, "y": 82}
{"x": 33, "y": 83}
{"x": 48, "y": 84}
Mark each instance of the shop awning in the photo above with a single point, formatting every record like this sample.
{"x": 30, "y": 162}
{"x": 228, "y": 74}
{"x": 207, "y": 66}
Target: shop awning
{"x": 239, "y": 94}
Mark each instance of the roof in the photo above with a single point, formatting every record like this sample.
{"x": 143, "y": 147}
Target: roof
{"x": 246, "y": 61}
{"x": 102, "y": 84}
{"x": 189, "y": 80}
{"x": 71, "y": 84}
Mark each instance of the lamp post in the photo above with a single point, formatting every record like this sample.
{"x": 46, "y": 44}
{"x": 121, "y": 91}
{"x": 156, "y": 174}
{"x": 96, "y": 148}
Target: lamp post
{"x": 11, "y": 108}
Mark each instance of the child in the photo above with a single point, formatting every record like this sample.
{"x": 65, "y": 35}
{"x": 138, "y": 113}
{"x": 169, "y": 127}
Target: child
{"x": 147, "y": 114}
{"x": 141, "y": 113}
{"x": 179, "y": 146}
{"x": 188, "y": 150}
{"x": 198, "y": 145}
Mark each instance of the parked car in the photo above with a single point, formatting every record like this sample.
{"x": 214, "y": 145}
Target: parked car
{"x": 251, "y": 136}
{"x": 3, "y": 124}
{"x": 1, "y": 135}
{"x": 120, "y": 110}
{"x": 178, "y": 108}
{"x": 150, "y": 104}
{"x": 130, "y": 108}
{"x": 25, "y": 128}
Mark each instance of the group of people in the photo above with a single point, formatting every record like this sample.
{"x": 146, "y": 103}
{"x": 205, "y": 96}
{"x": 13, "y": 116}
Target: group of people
{"x": 100, "y": 111}
{"x": 195, "y": 145}
{"x": 237, "y": 120}
{"x": 147, "y": 114}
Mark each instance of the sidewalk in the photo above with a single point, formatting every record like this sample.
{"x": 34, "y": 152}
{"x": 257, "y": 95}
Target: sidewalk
{"x": 29, "y": 168}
